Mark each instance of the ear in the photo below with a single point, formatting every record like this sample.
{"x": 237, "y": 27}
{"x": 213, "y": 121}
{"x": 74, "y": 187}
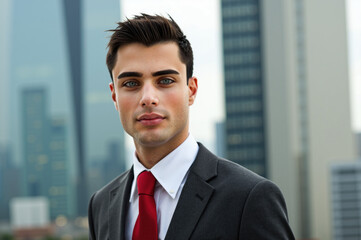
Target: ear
{"x": 193, "y": 88}
{"x": 114, "y": 97}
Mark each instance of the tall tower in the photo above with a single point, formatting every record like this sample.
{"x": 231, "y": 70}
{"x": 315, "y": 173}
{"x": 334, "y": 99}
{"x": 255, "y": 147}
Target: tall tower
{"x": 61, "y": 190}
{"x": 45, "y": 154}
{"x": 35, "y": 142}
{"x": 282, "y": 76}
{"x": 45, "y": 47}
{"x": 244, "y": 84}
{"x": 74, "y": 33}
{"x": 346, "y": 200}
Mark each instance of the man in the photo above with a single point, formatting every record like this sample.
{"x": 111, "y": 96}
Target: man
{"x": 190, "y": 193}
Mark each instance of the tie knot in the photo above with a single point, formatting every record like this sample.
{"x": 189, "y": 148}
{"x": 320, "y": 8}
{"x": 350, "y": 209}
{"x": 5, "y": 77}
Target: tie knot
{"x": 146, "y": 183}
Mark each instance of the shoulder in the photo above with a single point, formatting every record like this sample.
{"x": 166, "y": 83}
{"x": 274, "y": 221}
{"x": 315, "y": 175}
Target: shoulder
{"x": 212, "y": 168}
{"x": 229, "y": 177}
{"x": 237, "y": 178}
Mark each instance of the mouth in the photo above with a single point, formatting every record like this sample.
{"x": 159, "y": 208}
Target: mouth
{"x": 150, "y": 119}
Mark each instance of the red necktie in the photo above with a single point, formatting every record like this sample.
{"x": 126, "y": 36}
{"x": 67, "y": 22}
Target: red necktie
{"x": 146, "y": 225}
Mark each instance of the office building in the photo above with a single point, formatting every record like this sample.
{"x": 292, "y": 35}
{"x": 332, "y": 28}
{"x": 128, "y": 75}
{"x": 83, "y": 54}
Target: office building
{"x": 55, "y": 45}
{"x": 30, "y": 218}
{"x": 61, "y": 189}
{"x": 35, "y": 137}
{"x": 46, "y": 161}
{"x": 282, "y": 117}
{"x": 346, "y": 200}
{"x": 245, "y": 127}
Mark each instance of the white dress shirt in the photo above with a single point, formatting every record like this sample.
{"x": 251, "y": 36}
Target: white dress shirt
{"x": 171, "y": 174}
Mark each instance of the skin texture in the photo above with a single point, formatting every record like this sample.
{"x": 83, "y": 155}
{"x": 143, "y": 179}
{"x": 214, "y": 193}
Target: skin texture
{"x": 151, "y": 94}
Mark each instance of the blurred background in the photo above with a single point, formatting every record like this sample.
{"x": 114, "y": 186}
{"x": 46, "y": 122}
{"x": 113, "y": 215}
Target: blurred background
{"x": 279, "y": 93}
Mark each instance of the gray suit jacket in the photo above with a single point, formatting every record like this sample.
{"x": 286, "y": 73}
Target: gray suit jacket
{"x": 220, "y": 200}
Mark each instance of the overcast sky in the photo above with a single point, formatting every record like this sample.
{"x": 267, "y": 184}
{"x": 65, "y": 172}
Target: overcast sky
{"x": 354, "y": 40}
{"x": 199, "y": 19}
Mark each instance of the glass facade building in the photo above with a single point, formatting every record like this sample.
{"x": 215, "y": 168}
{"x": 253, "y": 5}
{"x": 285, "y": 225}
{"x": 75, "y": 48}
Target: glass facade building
{"x": 46, "y": 162}
{"x": 55, "y": 102}
{"x": 346, "y": 201}
{"x": 245, "y": 128}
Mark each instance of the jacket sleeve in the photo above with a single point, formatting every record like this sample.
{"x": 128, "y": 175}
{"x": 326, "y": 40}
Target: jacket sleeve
{"x": 90, "y": 220}
{"x": 265, "y": 214}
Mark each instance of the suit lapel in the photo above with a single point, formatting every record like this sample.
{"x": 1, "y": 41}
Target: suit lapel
{"x": 118, "y": 206}
{"x": 195, "y": 195}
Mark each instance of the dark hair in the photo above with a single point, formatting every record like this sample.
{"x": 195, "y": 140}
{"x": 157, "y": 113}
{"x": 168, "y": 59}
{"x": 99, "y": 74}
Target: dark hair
{"x": 149, "y": 30}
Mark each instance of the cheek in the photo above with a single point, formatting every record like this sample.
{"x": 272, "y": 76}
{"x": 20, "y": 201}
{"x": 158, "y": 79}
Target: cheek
{"x": 125, "y": 105}
{"x": 178, "y": 102}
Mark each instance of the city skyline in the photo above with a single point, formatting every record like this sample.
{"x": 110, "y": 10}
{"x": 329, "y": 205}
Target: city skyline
{"x": 102, "y": 129}
{"x": 43, "y": 62}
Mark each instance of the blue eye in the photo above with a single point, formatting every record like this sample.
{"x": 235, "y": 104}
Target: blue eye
{"x": 130, "y": 84}
{"x": 166, "y": 81}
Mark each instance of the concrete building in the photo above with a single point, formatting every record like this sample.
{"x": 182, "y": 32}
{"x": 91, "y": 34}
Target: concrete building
{"x": 346, "y": 200}
{"x": 30, "y": 218}
{"x": 27, "y": 212}
{"x": 287, "y": 99}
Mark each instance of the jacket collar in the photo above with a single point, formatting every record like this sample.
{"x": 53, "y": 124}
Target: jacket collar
{"x": 195, "y": 195}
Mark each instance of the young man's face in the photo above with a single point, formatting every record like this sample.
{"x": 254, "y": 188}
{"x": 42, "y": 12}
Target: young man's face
{"x": 151, "y": 94}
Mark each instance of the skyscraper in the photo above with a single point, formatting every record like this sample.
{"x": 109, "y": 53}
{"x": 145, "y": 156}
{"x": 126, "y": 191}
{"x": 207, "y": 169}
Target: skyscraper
{"x": 38, "y": 80}
{"x": 61, "y": 191}
{"x": 287, "y": 99}
{"x": 35, "y": 131}
{"x": 74, "y": 33}
{"x": 245, "y": 128}
{"x": 346, "y": 200}
{"x": 45, "y": 50}
{"x": 45, "y": 154}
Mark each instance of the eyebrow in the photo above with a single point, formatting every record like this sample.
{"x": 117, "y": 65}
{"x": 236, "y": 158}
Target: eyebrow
{"x": 129, "y": 74}
{"x": 155, "y": 74}
{"x": 165, "y": 72}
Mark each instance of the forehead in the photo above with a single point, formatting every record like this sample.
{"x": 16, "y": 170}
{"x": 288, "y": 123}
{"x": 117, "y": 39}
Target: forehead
{"x": 140, "y": 58}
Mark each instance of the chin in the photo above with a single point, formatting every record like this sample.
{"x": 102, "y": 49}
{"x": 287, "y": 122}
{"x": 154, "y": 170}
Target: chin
{"x": 151, "y": 140}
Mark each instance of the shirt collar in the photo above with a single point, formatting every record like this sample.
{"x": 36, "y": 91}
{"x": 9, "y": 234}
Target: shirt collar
{"x": 171, "y": 170}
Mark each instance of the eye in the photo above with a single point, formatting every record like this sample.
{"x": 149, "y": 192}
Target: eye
{"x": 166, "y": 81}
{"x": 130, "y": 84}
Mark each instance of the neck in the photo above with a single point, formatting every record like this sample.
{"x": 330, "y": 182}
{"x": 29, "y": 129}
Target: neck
{"x": 150, "y": 156}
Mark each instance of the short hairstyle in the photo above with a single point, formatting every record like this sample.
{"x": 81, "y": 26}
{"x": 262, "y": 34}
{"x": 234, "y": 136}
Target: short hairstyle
{"x": 149, "y": 30}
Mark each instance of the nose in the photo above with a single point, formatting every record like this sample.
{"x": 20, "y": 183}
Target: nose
{"x": 149, "y": 96}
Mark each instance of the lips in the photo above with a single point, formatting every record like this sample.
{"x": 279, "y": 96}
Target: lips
{"x": 150, "y": 119}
